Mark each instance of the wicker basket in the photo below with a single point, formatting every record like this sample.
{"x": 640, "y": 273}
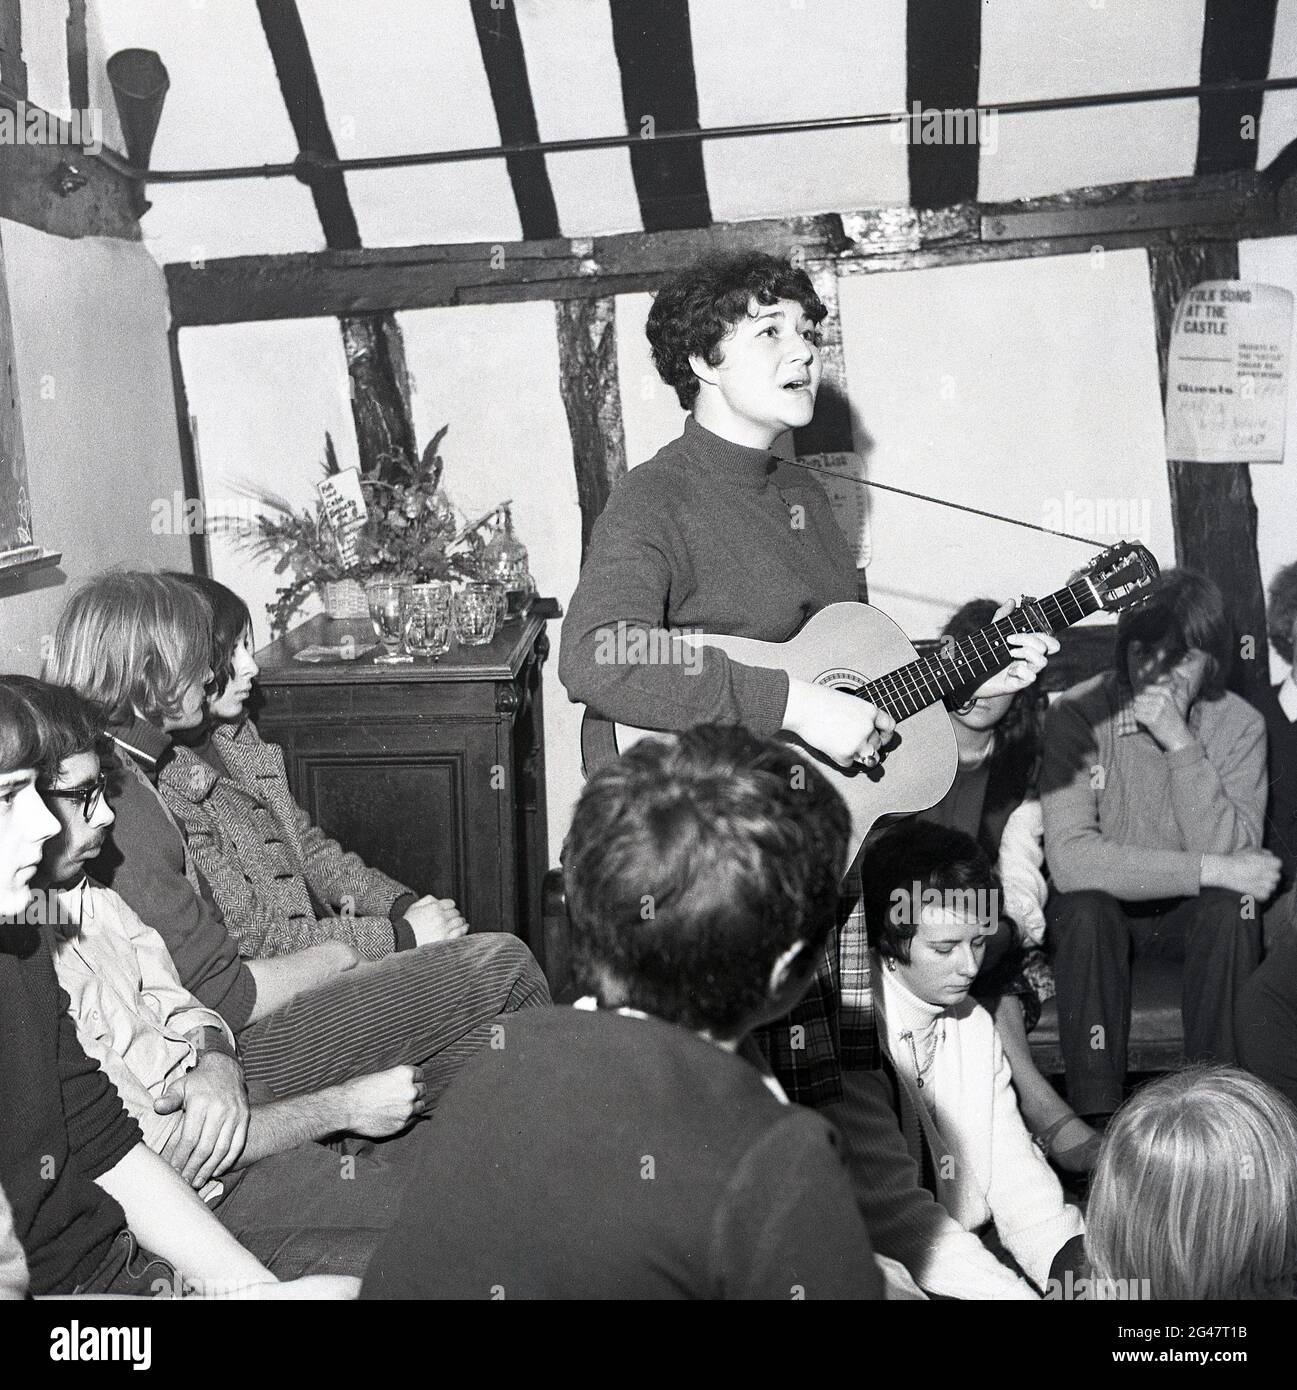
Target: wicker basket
{"x": 345, "y": 598}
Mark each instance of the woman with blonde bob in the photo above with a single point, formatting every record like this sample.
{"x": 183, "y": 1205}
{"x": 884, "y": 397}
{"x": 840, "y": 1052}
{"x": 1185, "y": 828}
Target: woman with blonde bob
{"x": 139, "y": 646}
{"x": 1196, "y": 1190}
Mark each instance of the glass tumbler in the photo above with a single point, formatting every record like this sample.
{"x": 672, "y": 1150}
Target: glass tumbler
{"x": 475, "y": 614}
{"x": 385, "y": 615}
{"x": 427, "y": 620}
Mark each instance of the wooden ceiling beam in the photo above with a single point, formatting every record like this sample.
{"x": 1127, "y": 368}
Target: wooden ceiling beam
{"x": 311, "y": 285}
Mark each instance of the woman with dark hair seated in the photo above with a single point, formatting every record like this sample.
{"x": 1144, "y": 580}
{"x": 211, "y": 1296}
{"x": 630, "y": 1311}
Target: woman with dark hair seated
{"x": 1195, "y": 1193}
{"x": 931, "y": 904}
{"x": 281, "y": 883}
{"x": 994, "y": 799}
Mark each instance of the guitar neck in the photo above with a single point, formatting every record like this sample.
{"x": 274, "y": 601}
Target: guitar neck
{"x": 965, "y": 664}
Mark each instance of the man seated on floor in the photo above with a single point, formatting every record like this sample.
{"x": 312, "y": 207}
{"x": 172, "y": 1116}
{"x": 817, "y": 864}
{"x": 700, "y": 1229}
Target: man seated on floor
{"x": 1154, "y": 789}
{"x": 94, "y": 1210}
{"x": 623, "y": 1148}
{"x": 300, "y": 1206}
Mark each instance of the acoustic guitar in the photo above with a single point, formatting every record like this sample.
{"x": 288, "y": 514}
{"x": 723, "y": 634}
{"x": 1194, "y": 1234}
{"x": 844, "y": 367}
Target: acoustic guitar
{"x": 845, "y": 643}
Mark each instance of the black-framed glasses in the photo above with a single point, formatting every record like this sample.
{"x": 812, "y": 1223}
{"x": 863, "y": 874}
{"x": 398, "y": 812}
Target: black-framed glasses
{"x": 89, "y": 797}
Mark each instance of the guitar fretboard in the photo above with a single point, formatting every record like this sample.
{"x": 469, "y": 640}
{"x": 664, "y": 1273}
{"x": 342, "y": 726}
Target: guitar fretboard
{"x": 966, "y": 664}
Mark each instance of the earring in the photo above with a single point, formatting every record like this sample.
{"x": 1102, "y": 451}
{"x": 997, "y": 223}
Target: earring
{"x": 889, "y": 963}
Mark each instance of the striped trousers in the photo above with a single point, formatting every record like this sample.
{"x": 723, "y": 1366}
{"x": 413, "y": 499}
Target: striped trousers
{"x": 432, "y": 1007}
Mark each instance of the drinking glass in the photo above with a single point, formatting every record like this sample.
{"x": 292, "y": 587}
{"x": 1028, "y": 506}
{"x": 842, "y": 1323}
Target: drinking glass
{"x": 475, "y": 611}
{"x": 385, "y": 615}
{"x": 427, "y": 621}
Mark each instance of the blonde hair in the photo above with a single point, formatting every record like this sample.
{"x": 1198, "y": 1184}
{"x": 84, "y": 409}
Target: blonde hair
{"x": 131, "y": 641}
{"x": 1196, "y": 1189}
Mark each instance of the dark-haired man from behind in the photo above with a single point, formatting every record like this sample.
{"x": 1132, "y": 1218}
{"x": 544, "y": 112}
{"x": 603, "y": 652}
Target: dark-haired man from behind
{"x": 623, "y": 1149}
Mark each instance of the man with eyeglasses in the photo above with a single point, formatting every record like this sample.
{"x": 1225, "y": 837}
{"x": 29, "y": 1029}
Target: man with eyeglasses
{"x": 301, "y": 1206}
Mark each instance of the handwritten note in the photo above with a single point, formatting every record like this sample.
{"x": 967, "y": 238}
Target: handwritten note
{"x": 344, "y": 509}
{"x": 1227, "y": 373}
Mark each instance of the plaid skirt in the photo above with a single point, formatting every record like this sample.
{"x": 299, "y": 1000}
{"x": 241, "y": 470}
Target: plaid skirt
{"x": 832, "y": 1028}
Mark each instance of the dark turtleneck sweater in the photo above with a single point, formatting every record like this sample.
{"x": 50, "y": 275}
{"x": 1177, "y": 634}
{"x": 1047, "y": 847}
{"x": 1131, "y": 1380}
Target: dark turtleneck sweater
{"x": 145, "y": 861}
{"x": 61, "y": 1122}
{"x": 712, "y": 536}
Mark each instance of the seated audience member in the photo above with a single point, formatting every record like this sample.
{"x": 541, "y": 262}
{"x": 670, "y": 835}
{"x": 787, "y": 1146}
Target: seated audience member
{"x": 625, "y": 1150}
{"x": 1279, "y": 706}
{"x": 1267, "y": 1025}
{"x": 994, "y": 799}
{"x": 295, "y": 1204}
{"x": 1153, "y": 789}
{"x": 931, "y": 904}
{"x": 94, "y": 1210}
{"x": 1196, "y": 1191}
{"x": 280, "y": 882}
{"x": 138, "y": 646}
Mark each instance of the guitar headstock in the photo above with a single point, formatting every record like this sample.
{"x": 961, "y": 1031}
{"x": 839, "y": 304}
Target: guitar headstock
{"x": 1122, "y": 575}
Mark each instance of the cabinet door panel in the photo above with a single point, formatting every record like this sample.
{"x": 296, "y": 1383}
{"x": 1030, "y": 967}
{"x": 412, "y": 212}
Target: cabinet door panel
{"x": 404, "y": 815}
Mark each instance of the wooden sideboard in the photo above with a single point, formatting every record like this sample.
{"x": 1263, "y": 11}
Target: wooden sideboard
{"x": 432, "y": 772}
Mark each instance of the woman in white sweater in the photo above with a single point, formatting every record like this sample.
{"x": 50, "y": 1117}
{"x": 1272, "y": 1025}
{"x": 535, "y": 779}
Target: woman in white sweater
{"x": 932, "y": 902}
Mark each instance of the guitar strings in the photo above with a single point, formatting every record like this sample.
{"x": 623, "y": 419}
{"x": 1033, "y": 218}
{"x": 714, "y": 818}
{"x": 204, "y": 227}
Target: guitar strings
{"x": 940, "y": 676}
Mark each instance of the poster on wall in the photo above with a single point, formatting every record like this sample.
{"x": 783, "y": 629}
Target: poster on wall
{"x": 842, "y": 476}
{"x": 1227, "y": 373}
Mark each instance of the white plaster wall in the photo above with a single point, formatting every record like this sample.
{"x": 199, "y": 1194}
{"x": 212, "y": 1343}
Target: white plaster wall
{"x": 1027, "y": 388}
{"x": 90, "y": 324}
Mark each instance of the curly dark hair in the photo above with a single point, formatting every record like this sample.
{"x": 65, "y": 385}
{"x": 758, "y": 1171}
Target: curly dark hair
{"x": 1019, "y": 736}
{"x": 692, "y": 866}
{"x": 1281, "y": 610}
{"x": 696, "y": 309}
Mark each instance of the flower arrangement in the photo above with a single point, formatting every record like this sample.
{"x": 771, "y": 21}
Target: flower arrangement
{"x": 411, "y": 531}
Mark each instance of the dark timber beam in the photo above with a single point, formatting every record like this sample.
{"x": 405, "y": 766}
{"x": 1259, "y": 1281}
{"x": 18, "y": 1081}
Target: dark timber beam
{"x": 943, "y": 56}
{"x": 380, "y": 395}
{"x": 1237, "y": 36}
{"x": 29, "y": 178}
{"x": 1154, "y": 214}
{"x": 380, "y": 388}
{"x": 500, "y": 43}
{"x": 300, "y": 87}
{"x": 830, "y": 432}
{"x": 587, "y": 357}
{"x": 1211, "y": 503}
{"x": 78, "y": 56}
{"x": 13, "y": 71}
{"x": 654, "y": 47}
